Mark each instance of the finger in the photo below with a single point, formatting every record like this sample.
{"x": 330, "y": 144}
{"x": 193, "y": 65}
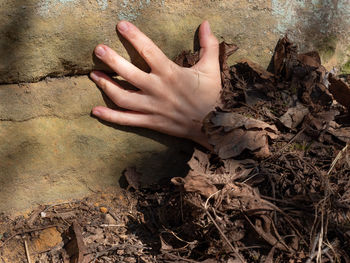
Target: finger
{"x": 121, "y": 66}
{"x": 128, "y": 118}
{"x": 209, "y": 52}
{"x": 127, "y": 99}
{"x": 154, "y": 57}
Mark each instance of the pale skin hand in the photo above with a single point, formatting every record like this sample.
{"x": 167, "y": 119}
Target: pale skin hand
{"x": 171, "y": 99}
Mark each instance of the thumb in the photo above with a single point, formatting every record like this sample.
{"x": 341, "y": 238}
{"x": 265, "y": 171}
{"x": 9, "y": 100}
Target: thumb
{"x": 209, "y": 52}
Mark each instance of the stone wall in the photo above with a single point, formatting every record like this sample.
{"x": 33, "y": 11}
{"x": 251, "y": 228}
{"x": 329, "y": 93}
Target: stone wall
{"x": 51, "y": 148}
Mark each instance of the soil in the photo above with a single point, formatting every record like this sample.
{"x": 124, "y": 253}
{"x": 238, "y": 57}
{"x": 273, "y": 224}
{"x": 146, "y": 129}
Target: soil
{"x": 276, "y": 188}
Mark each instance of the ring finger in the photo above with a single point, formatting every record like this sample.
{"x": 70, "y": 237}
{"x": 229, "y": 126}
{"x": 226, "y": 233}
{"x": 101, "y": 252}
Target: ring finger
{"x": 127, "y": 99}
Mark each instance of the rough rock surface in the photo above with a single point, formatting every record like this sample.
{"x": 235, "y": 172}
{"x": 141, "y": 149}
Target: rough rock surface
{"x": 52, "y": 149}
{"x": 56, "y": 37}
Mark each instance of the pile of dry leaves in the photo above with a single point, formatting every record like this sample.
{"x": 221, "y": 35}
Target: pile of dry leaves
{"x": 276, "y": 188}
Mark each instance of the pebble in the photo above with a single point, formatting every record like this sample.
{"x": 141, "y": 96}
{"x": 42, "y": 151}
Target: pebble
{"x": 103, "y": 209}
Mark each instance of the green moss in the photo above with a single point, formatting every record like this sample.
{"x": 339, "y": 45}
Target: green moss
{"x": 304, "y": 147}
{"x": 327, "y": 47}
{"x": 345, "y": 69}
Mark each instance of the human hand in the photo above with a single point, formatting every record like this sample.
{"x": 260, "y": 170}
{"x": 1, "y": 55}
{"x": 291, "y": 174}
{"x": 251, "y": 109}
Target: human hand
{"x": 171, "y": 99}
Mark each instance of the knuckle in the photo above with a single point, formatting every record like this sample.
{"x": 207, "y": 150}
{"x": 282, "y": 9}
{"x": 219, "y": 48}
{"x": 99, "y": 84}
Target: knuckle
{"x": 214, "y": 41}
{"x": 170, "y": 72}
{"x": 120, "y": 100}
{"x": 123, "y": 120}
{"x": 129, "y": 75}
{"x": 147, "y": 51}
{"x": 103, "y": 84}
{"x": 132, "y": 33}
{"x": 112, "y": 59}
{"x": 108, "y": 117}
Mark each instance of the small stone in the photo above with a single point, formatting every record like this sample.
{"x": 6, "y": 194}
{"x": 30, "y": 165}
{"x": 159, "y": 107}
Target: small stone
{"x": 103, "y": 209}
{"x": 110, "y": 220}
{"x": 47, "y": 240}
{"x": 100, "y": 248}
{"x": 122, "y": 236}
{"x": 130, "y": 260}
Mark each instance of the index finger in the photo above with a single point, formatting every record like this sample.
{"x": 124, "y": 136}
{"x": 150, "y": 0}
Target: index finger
{"x": 154, "y": 57}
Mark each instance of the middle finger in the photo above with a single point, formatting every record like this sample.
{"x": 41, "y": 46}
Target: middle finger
{"x": 154, "y": 57}
{"x": 122, "y": 67}
{"x": 127, "y": 99}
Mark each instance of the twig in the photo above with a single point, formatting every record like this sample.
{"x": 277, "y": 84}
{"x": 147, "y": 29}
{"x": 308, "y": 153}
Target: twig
{"x": 178, "y": 238}
{"x": 288, "y": 218}
{"x": 109, "y": 250}
{"x": 27, "y": 251}
{"x": 25, "y": 232}
{"x": 266, "y": 238}
{"x": 234, "y": 249}
{"x": 339, "y": 155}
{"x": 181, "y": 208}
{"x": 112, "y": 225}
{"x": 325, "y": 250}
{"x": 250, "y": 177}
{"x": 59, "y": 204}
{"x": 284, "y": 146}
{"x": 313, "y": 248}
{"x": 320, "y": 240}
{"x": 178, "y": 257}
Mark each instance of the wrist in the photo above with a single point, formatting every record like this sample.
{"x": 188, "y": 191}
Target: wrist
{"x": 197, "y": 135}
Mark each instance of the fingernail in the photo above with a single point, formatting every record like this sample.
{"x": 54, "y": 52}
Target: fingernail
{"x": 94, "y": 76}
{"x": 123, "y": 26}
{"x": 206, "y": 28}
{"x": 96, "y": 113}
{"x": 100, "y": 51}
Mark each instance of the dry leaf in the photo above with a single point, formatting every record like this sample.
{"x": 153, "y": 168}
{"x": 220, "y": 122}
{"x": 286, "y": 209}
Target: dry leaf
{"x": 76, "y": 247}
{"x": 342, "y": 134}
{"x": 254, "y": 71}
{"x": 199, "y": 161}
{"x": 340, "y": 90}
{"x": 226, "y": 50}
{"x": 197, "y": 183}
{"x": 233, "y": 133}
{"x": 284, "y": 57}
{"x": 133, "y": 177}
{"x": 294, "y": 116}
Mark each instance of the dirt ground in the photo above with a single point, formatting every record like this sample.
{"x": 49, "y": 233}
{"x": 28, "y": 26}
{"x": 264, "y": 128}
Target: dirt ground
{"x": 275, "y": 189}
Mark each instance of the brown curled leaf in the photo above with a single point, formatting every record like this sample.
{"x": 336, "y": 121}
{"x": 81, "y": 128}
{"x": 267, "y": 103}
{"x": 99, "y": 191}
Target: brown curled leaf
{"x": 197, "y": 183}
{"x": 133, "y": 177}
{"x": 311, "y": 59}
{"x": 342, "y": 134}
{"x": 76, "y": 248}
{"x": 199, "y": 162}
{"x": 284, "y": 58}
{"x": 340, "y": 90}
{"x": 231, "y": 133}
{"x": 253, "y": 71}
{"x": 187, "y": 59}
{"x": 294, "y": 116}
{"x": 225, "y": 51}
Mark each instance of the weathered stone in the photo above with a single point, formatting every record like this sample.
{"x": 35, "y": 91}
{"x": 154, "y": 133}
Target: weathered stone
{"x": 56, "y": 37}
{"x": 48, "y": 239}
{"x": 52, "y": 149}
